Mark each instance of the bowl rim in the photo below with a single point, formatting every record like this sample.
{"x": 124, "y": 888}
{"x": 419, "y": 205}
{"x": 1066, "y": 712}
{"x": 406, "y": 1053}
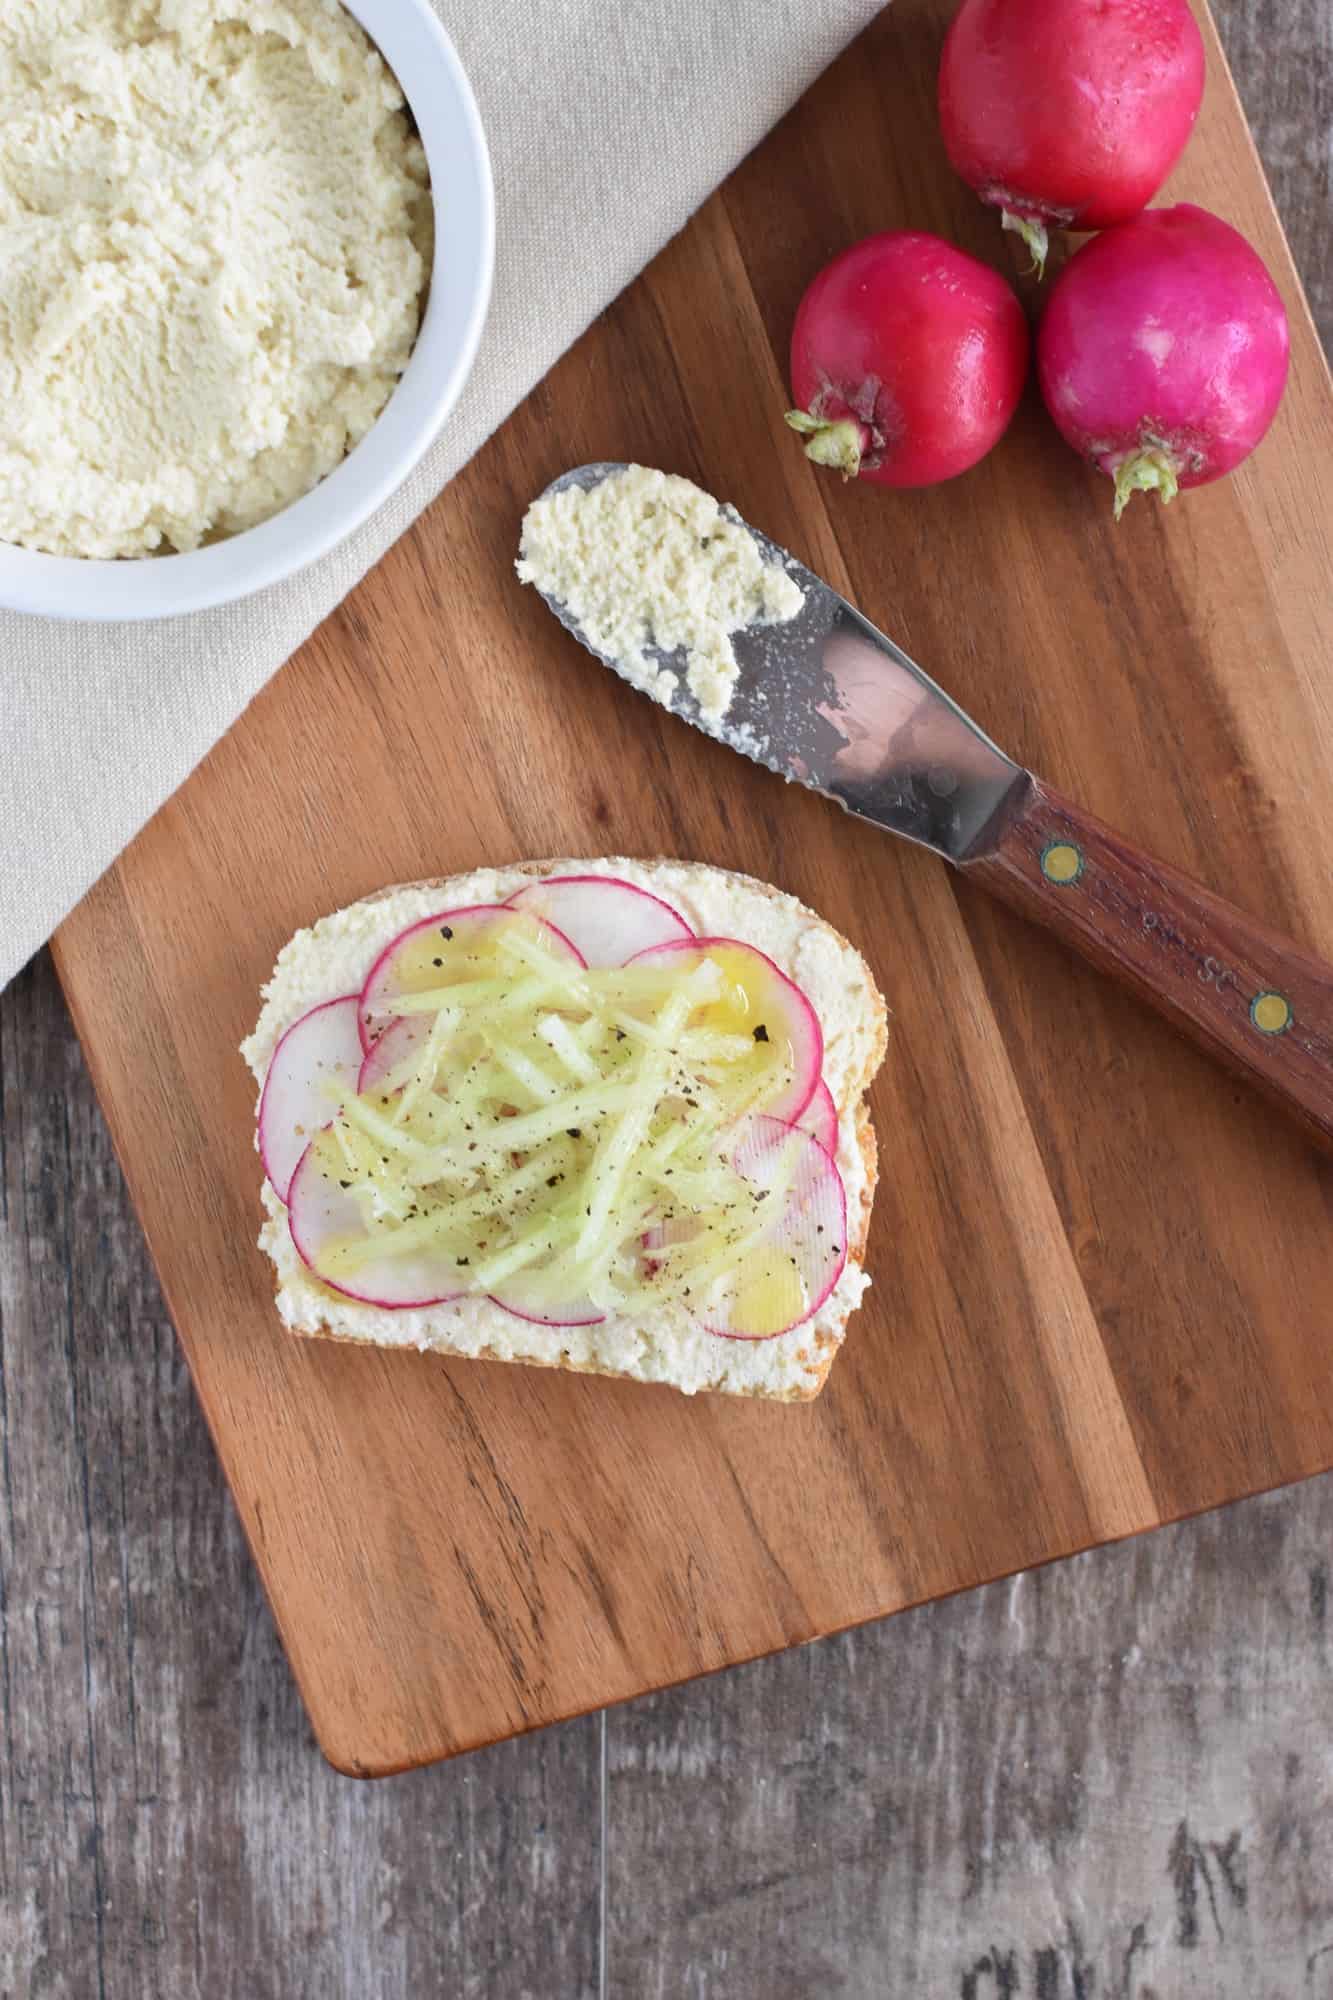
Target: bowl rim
{"x": 92, "y": 589}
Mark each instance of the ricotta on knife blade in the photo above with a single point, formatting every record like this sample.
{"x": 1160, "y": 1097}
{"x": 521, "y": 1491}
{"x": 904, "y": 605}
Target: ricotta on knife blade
{"x": 648, "y": 559}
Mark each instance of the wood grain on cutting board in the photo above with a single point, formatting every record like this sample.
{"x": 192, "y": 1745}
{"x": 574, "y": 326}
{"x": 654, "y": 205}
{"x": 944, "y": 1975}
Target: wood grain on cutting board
{"x": 1102, "y": 1283}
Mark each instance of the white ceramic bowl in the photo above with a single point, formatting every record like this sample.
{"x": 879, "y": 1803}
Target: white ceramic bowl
{"x": 424, "y": 60}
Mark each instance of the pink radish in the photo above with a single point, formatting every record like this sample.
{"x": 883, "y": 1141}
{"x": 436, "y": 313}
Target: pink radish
{"x": 820, "y": 1118}
{"x": 521, "y": 1296}
{"x": 907, "y": 361}
{"x": 791, "y": 1273}
{"x": 662, "y": 1235}
{"x": 605, "y": 919}
{"x": 319, "y": 1054}
{"x": 1163, "y": 351}
{"x": 758, "y": 1000}
{"x": 1069, "y": 113}
{"x": 449, "y": 946}
{"x": 321, "y": 1214}
{"x": 390, "y": 1049}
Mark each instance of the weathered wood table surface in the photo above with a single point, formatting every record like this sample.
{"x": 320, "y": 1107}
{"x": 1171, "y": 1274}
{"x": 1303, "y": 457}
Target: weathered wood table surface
{"x": 1112, "y": 1780}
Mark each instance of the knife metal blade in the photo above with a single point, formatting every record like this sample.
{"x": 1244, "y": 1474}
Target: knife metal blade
{"x": 828, "y": 701}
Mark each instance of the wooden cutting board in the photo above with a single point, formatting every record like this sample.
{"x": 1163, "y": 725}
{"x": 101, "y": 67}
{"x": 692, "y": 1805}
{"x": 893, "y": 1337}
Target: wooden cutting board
{"x": 1103, "y": 1285}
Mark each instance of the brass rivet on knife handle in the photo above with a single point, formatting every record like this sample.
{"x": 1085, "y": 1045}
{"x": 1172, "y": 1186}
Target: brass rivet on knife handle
{"x": 1271, "y": 1013}
{"x": 1248, "y": 995}
{"x": 1061, "y": 862}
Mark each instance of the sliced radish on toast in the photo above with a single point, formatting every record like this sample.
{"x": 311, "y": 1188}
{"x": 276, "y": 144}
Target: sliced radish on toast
{"x": 390, "y": 1053}
{"x": 526, "y": 1298}
{"x": 819, "y": 1119}
{"x": 607, "y": 920}
{"x": 329, "y": 1230}
{"x": 789, "y": 1262}
{"x": 315, "y": 1062}
{"x": 758, "y": 1000}
{"x": 465, "y": 947}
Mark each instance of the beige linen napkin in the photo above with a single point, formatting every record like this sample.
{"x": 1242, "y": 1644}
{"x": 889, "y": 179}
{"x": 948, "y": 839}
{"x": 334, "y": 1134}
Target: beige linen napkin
{"x": 609, "y": 122}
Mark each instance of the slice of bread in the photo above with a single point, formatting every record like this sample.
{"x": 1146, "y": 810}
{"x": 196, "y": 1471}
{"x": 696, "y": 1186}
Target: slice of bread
{"x": 334, "y": 956}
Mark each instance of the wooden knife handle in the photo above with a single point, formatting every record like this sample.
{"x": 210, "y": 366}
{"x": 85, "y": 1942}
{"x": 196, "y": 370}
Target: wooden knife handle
{"x": 1256, "y": 1000}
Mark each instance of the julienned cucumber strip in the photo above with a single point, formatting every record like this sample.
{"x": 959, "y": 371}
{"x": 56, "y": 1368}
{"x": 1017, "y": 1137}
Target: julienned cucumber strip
{"x": 556, "y": 1033}
{"x": 362, "y": 1113}
{"x": 584, "y": 990}
{"x": 509, "y": 1135}
{"x": 541, "y": 1086}
{"x": 625, "y": 1137}
{"x": 457, "y": 1222}
{"x": 576, "y": 1138}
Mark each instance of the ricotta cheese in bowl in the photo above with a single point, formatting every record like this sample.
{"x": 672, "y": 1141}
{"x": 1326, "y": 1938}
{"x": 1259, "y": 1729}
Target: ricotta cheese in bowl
{"x": 214, "y": 240}
{"x": 219, "y": 278}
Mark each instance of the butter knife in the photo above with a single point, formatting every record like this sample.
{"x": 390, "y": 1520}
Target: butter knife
{"x": 828, "y": 701}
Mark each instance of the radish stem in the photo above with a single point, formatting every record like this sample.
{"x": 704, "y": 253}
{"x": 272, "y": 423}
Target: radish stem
{"x": 1033, "y": 234}
{"x": 1150, "y": 469}
{"x": 839, "y": 443}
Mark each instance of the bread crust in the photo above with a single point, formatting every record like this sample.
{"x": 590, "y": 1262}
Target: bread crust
{"x": 828, "y": 1340}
